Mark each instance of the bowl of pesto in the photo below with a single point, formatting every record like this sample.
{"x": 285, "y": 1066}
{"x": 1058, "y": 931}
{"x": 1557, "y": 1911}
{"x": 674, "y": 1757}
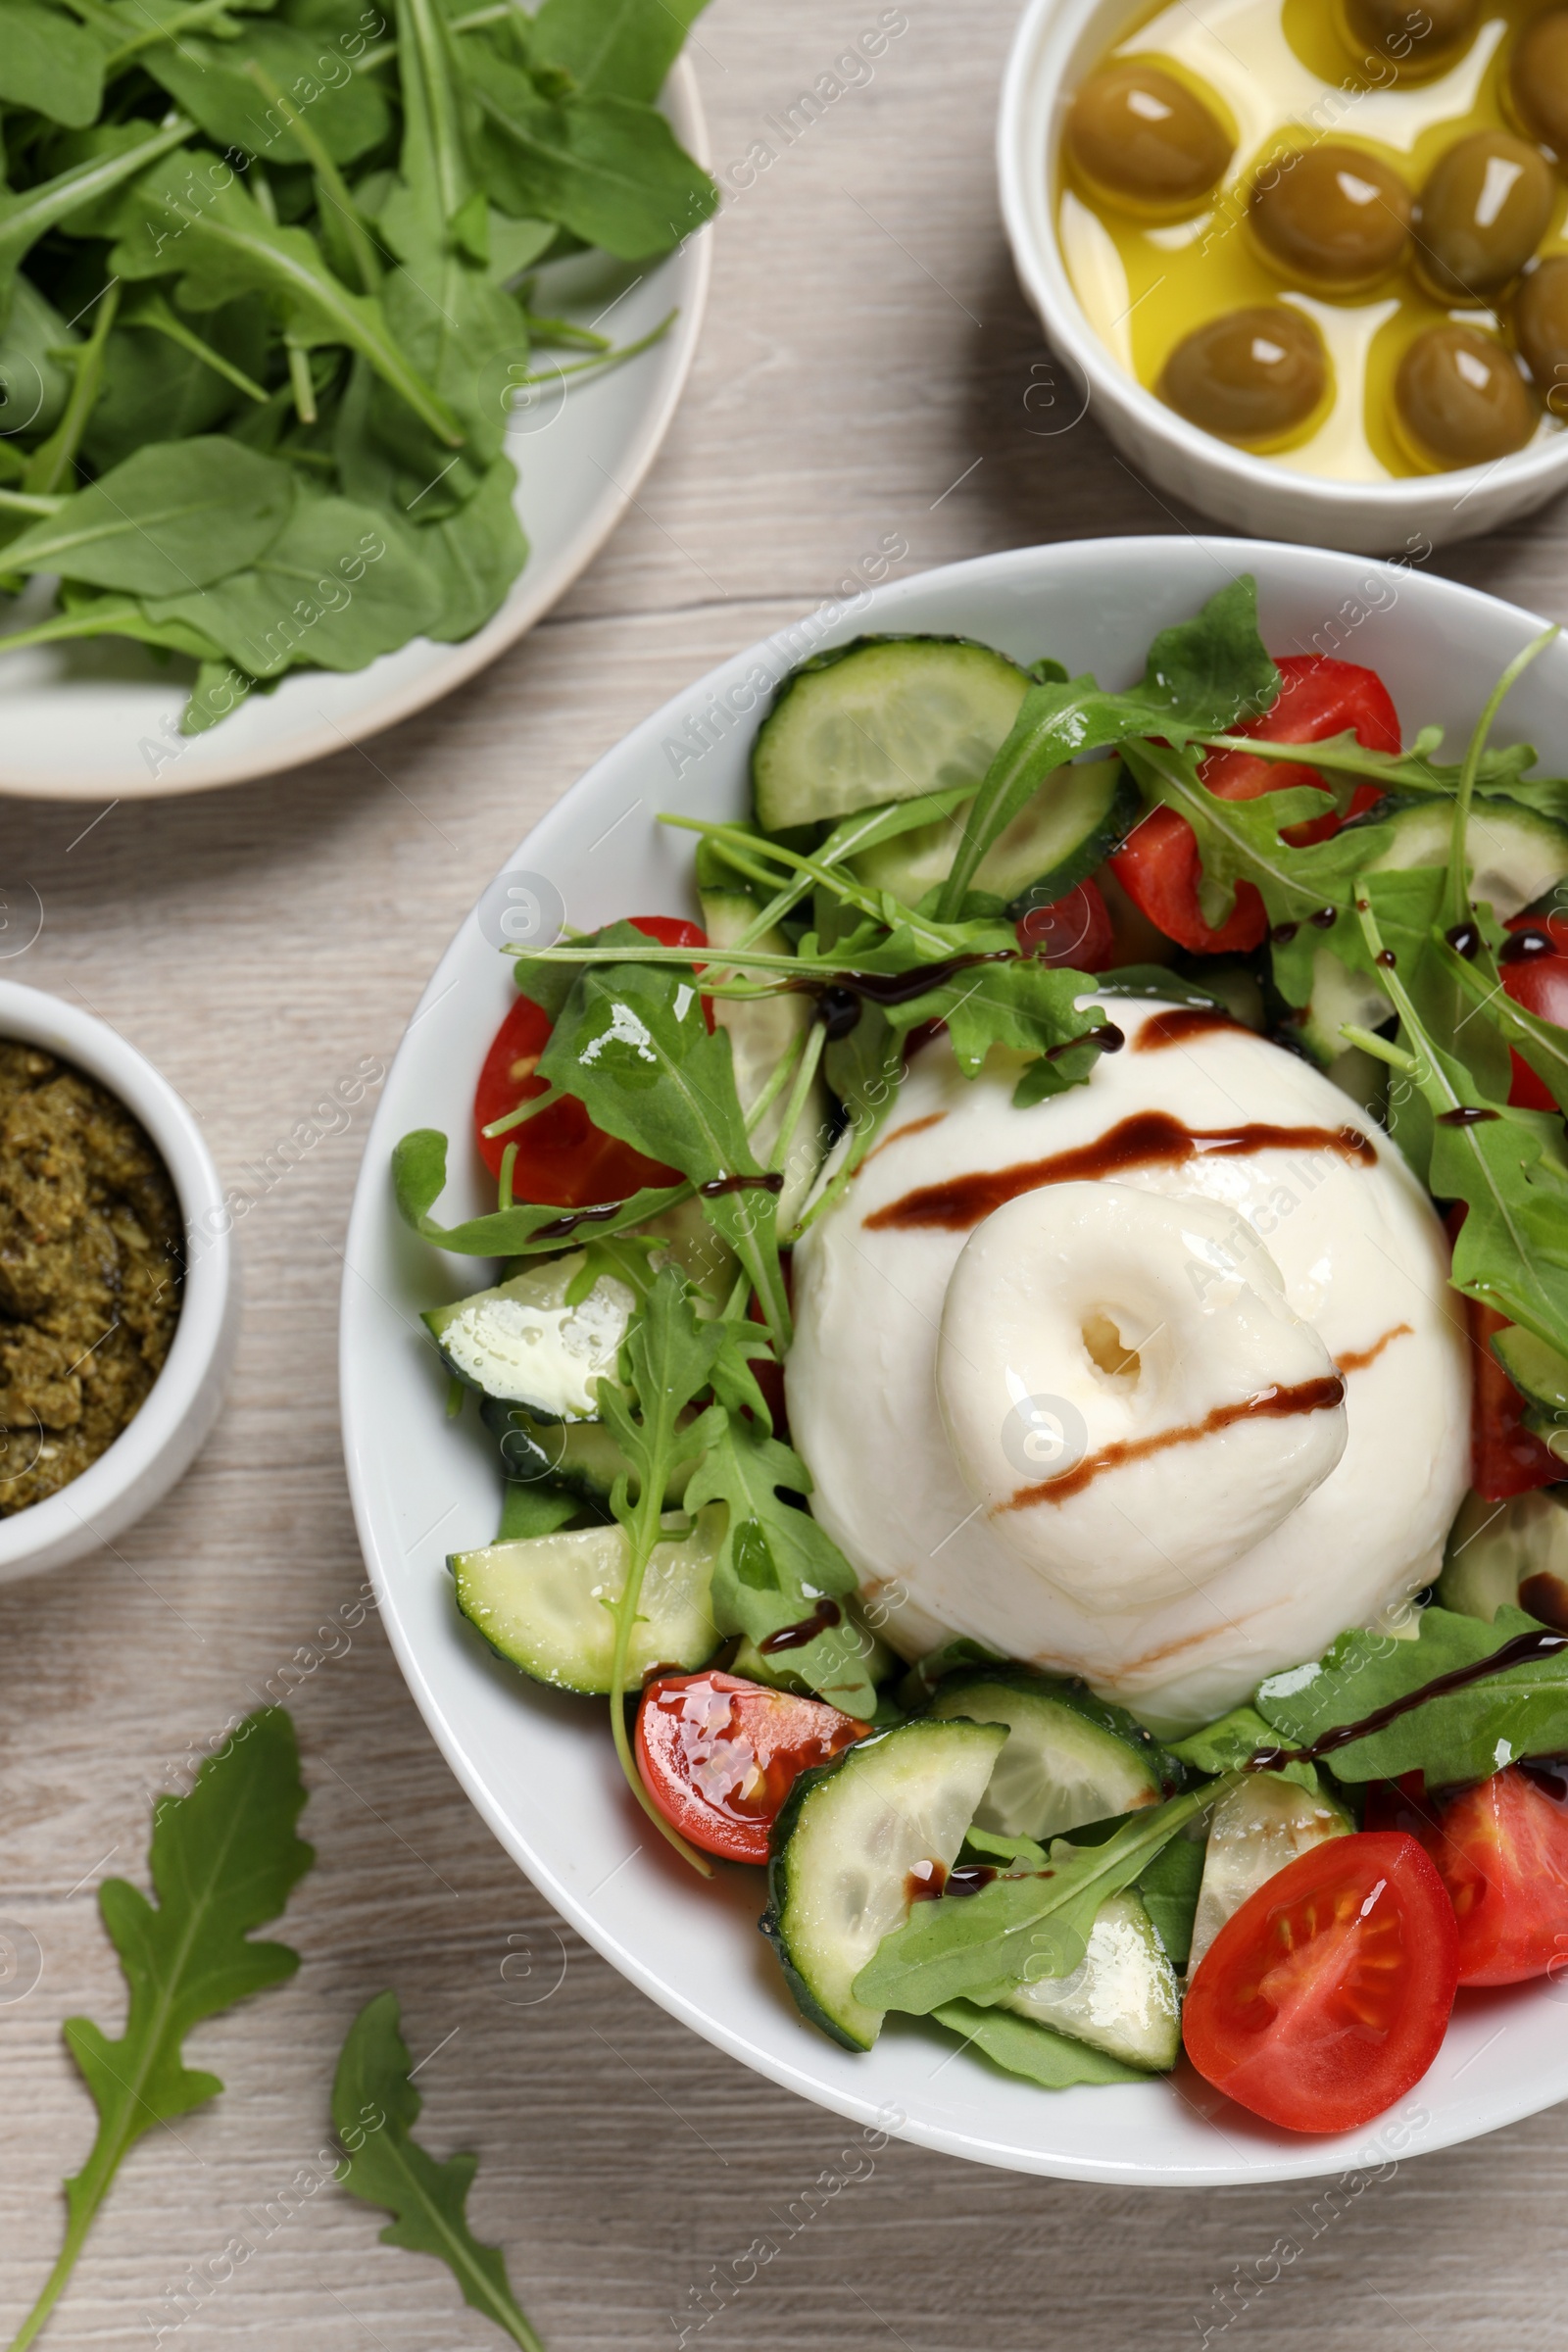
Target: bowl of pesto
{"x": 116, "y": 1301}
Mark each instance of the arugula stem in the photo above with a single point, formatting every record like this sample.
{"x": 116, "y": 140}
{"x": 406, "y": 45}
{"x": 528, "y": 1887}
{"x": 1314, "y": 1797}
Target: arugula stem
{"x": 21, "y": 502}
{"x": 185, "y": 19}
{"x": 778, "y": 1078}
{"x": 152, "y": 313}
{"x": 330, "y": 180}
{"x": 1382, "y": 1049}
{"x": 602, "y": 362}
{"x": 1458, "y": 865}
{"x": 103, "y": 620}
{"x": 641, "y": 1536}
{"x": 815, "y": 1039}
{"x": 299, "y": 376}
{"x": 563, "y": 330}
{"x": 732, "y": 843}
{"x": 53, "y": 459}
{"x": 524, "y": 1110}
{"x": 509, "y": 1161}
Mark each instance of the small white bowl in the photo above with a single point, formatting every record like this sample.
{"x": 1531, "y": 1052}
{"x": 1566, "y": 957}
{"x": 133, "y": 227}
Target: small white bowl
{"x": 159, "y": 1445}
{"x": 1058, "y": 43}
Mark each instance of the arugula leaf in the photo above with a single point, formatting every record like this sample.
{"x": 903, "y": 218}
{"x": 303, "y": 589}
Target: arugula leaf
{"x": 668, "y": 1358}
{"x": 48, "y": 64}
{"x": 386, "y": 2166}
{"x": 614, "y": 48}
{"x": 611, "y": 171}
{"x": 176, "y": 516}
{"x": 472, "y": 557}
{"x": 1225, "y": 1746}
{"x": 1200, "y": 675}
{"x": 1463, "y": 1735}
{"x": 420, "y": 1177}
{"x": 1035, "y": 1923}
{"x": 27, "y": 216}
{"x": 631, "y": 1042}
{"x": 1541, "y": 1044}
{"x": 775, "y": 1564}
{"x": 223, "y": 1861}
{"x": 333, "y": 589}
{"x": 1022, "y": 2045}
{"x": 208, "y": 79}
{"x": 1168, "y": 1889}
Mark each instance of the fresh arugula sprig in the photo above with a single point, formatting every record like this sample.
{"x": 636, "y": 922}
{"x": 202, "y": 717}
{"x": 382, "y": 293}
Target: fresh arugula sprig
{"x": 223, "y": 1861}
{"x": 426, "y": 2196}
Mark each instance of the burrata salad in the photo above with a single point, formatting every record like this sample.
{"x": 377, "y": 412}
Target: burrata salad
{"x": 1026, "y": 1355}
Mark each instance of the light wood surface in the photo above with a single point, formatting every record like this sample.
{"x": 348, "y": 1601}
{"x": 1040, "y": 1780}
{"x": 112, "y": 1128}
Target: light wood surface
{"x": 864, "y": 372}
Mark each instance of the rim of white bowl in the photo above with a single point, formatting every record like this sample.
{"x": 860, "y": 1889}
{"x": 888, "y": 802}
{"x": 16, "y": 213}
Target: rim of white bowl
{"x": 532, "y": 594}
{"x": 158, "y": 1444}
{"x": 1033, "y": 95}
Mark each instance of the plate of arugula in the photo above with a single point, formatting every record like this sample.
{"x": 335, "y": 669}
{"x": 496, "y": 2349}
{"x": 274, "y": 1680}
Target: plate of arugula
{"x": 333, "y": 342}
{"x": 893, "y": 1015}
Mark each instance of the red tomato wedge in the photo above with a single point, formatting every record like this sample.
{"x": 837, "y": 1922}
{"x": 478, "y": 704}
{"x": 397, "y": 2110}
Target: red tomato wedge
{"x": 1501, "y": 1848}
{"x": 563, "y": 1158}
{"x": 720, "y": 1755}
{"x": 1534, "y": 964}
{"x": 1159, "y": 865}
{"x": 1073, "y": 932}
{"x": 1505, "y": 1457}
{"x": 1327, "y": 1996}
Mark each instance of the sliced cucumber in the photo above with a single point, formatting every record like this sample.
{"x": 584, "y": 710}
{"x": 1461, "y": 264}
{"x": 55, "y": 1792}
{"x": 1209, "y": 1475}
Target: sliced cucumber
{"x": 1538, "y": 1373}
{"x": 844, "y": 1848}
{"x": 1339, "y": 996}
{"x": 886, "y": 719}
{"x": 578, "y": 1458}
{"x": 1121, "y": 1998}
{"x": 1075, "y": 819}
{"x": 1255, "y": 1831}
{"x": 1024, "y": 2046}
{"x": 522, "y": 1344}
{"x": 545, "y": 1602}
{"x": 761, "y": 1035}
{"x": 1513, "y": 1552}
{"x": 1071, "y": 1758}
{"x": 1515, "y": 856}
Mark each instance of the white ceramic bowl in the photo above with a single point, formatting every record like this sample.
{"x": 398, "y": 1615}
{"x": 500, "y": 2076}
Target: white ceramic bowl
{"x": 159, "y": 1445}
{"x": 539, "y": 1764}
{"x": 1058, "y": 43}
{"x": 100, "y": 719}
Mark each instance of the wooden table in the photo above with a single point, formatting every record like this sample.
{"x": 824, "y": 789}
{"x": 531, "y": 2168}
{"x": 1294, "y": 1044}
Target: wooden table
{"x": 863, "y": 373}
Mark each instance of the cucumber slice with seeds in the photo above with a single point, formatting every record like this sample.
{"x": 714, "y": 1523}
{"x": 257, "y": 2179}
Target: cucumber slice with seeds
{"x": 883, "y": 719}
{"x": 1513, "y": 1552}
{"x": 845, "y": 1845}
{"x": 1075, "y": 819}
{"x": 1070, "y": 1757}
{"x": 1121, "y": 1998}
{"x": 545, "y": 1602}
{"x": 1515, "y": 855}
{"x": 520, "y": 1342}
{"x": 1255, "y": 1831}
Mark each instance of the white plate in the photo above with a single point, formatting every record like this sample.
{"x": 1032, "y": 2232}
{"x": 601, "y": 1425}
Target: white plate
{"x": 101, "y": 720}
{"x": 539, "y": 1765}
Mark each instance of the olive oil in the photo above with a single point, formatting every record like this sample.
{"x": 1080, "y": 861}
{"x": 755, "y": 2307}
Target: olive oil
{"x": 1285, "y": 76}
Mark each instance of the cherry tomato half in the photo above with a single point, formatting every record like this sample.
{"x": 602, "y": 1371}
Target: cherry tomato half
{"x": 1534, "y": 964}
{"x": 1505, "y": 1457}
{"x": 1158, "y": 864}
{"x": 1073, "y": 932}
{"x": 1501, "y": 1848}
{"x": 563, "y": 1158}
{"x": 720, "y": 1755}
{"x": 1328, "y": 1995}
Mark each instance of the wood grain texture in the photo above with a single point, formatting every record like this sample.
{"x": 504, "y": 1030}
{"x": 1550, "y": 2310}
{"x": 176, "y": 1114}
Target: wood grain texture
{"x": 864, "y": 372}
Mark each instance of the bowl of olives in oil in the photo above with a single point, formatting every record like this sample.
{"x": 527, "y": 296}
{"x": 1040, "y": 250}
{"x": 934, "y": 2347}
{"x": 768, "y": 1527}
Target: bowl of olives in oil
{"x": 1305, "y": 261}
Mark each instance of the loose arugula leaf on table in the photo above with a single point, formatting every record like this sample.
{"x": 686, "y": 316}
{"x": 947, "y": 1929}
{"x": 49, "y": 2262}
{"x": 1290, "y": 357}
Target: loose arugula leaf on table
{"x": 1022, "y": 2045}
{"x": 775, "y": 1564}
{"x": 1462, "y": 1736}
{"x": 223, "y": 1860}
{"x": 1202, "y": 674}
{"x": 426, "y": 2196}
{"x": 668, "y": 1359}
{"x": 1033, "y": 1923}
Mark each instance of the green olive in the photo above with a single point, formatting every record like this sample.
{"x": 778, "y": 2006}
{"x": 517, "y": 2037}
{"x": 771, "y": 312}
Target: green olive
{"x": 1537, "y": 80}
{"x": 1415, "y": 41}
{"x": 1459, "y": 400}
{"x": 1255, "y": 376}
{"x": 1330, "y": 216}
{"x": 1141, "y": 140}
{"x": 1541, "y": 329}
{"x": 1484, "y": 209}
